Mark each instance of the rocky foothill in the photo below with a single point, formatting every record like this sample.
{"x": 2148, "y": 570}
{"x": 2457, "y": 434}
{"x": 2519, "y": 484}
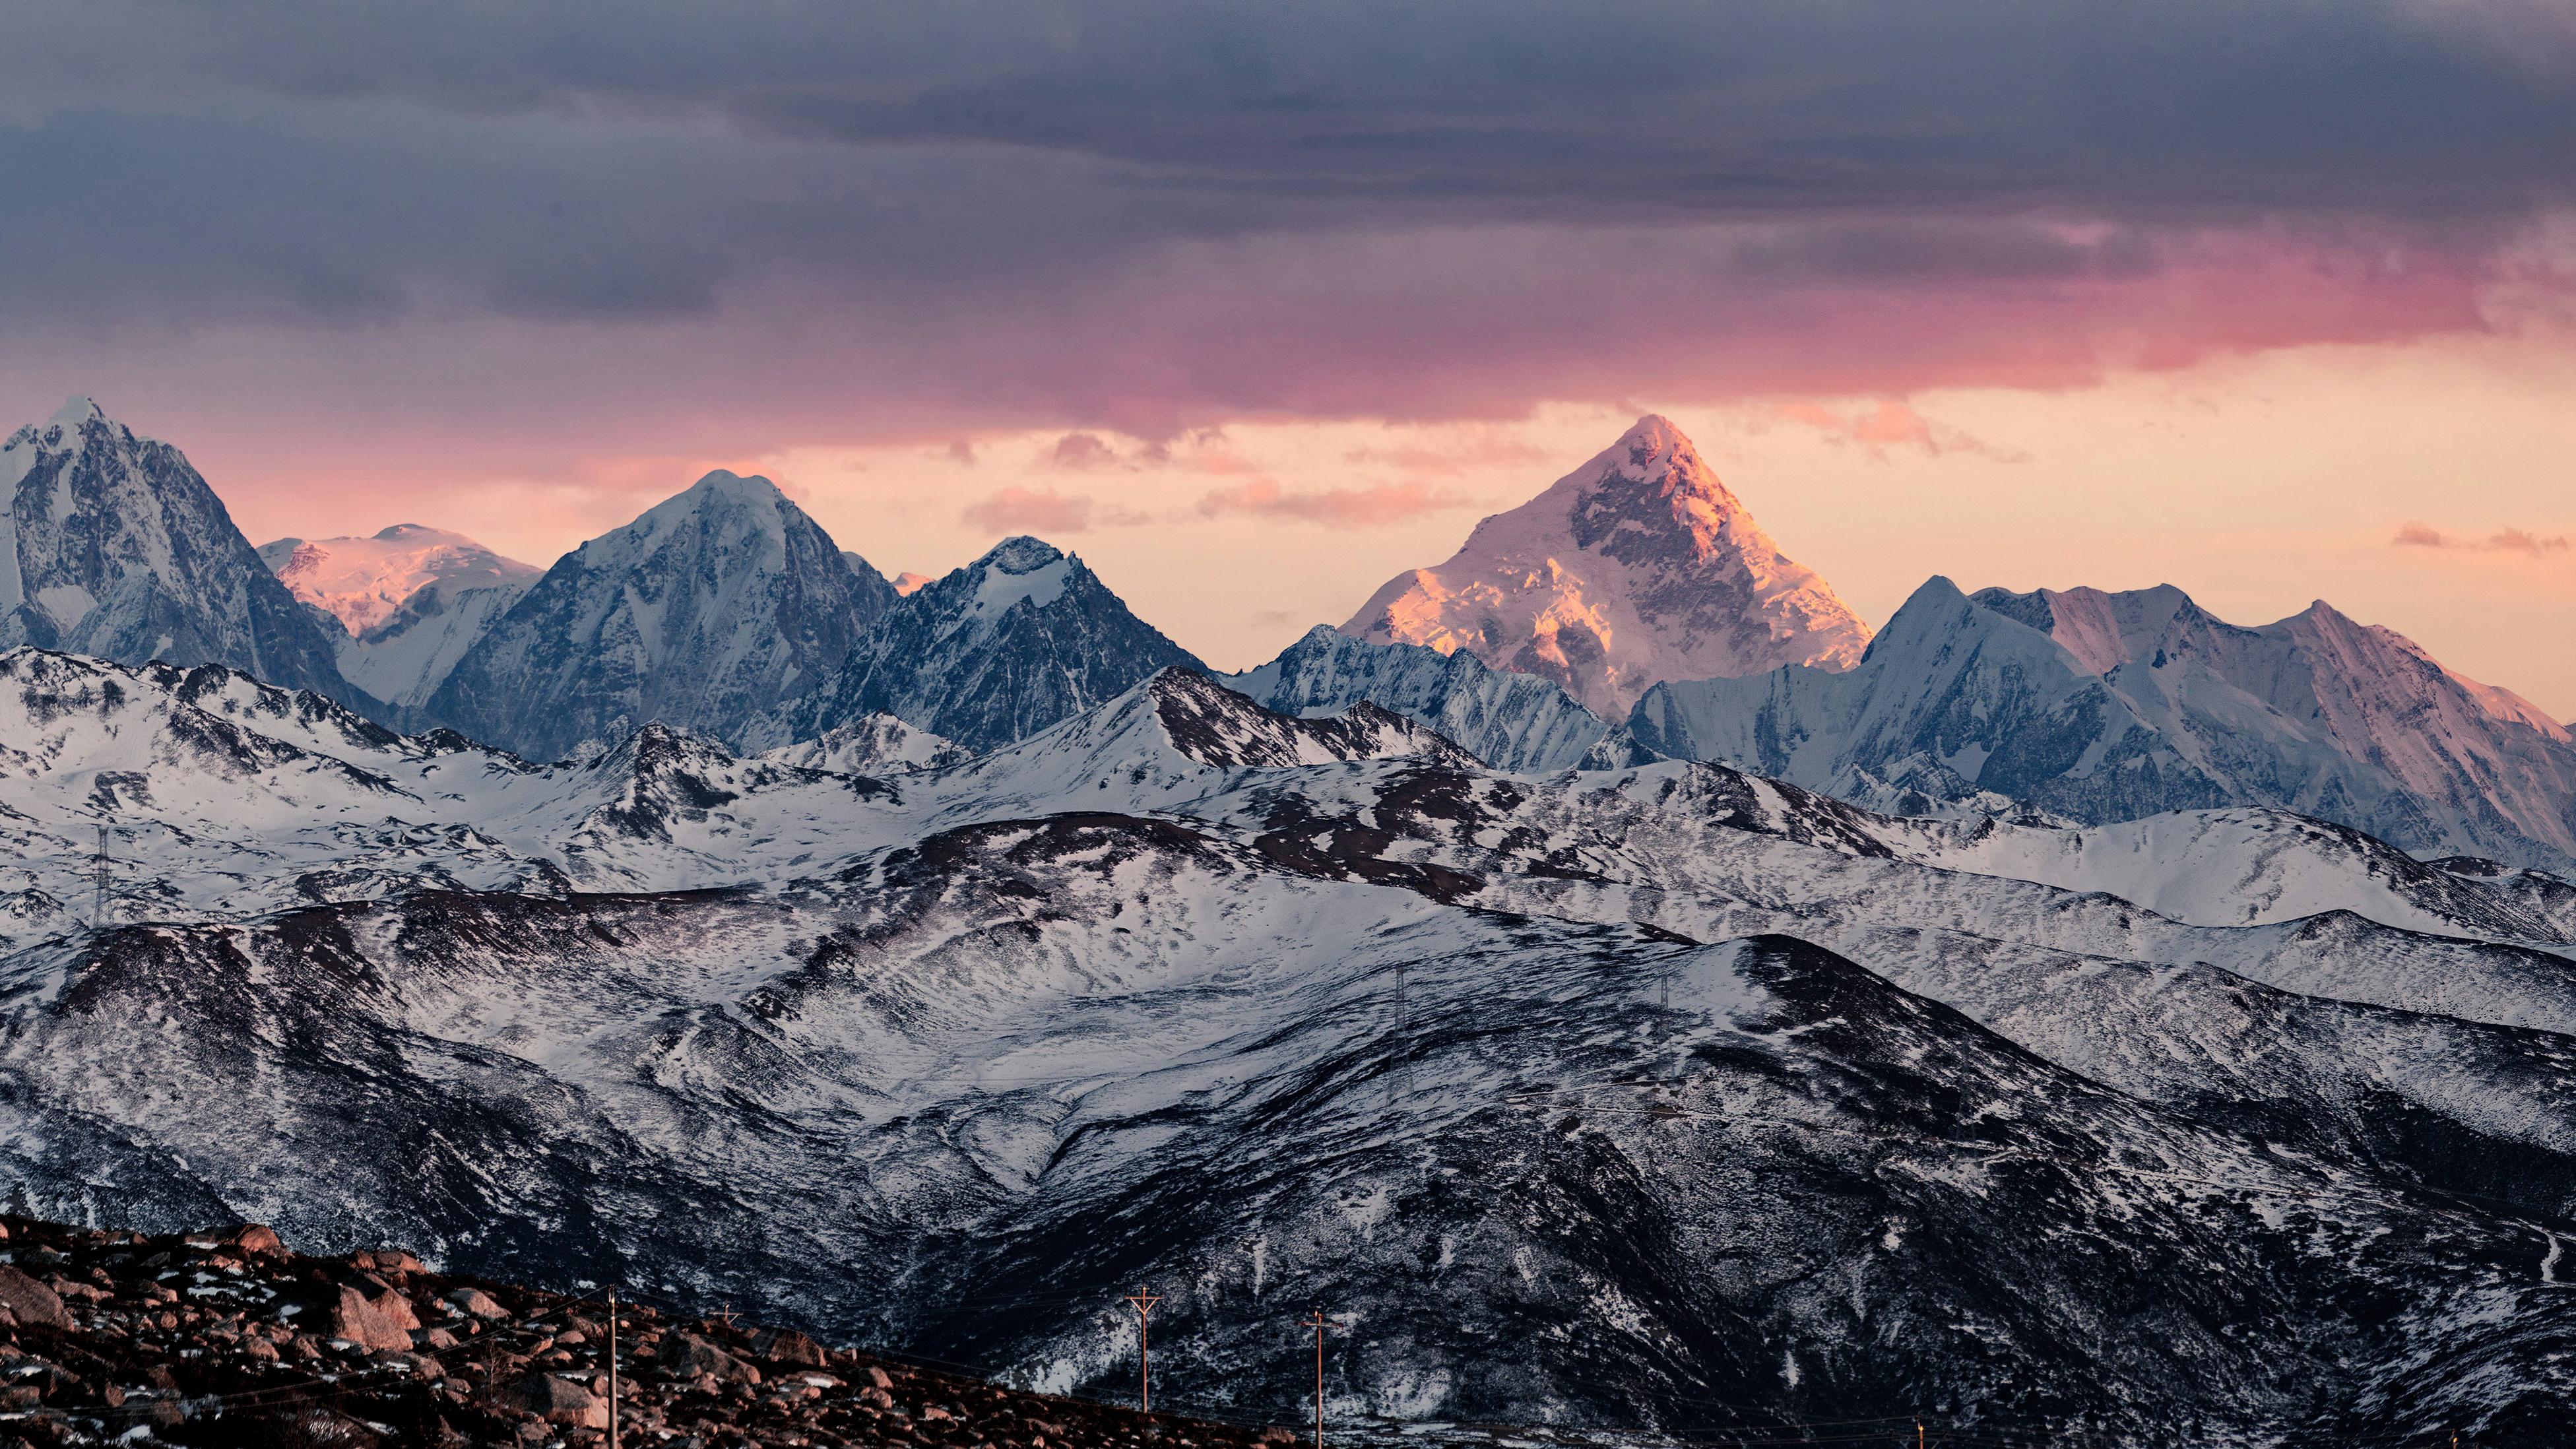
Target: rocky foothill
{"x": 228, "y": 1338}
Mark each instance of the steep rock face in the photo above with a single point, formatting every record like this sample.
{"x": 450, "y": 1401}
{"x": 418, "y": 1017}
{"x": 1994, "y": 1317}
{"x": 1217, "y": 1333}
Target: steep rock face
{"x": 112, "y": 545}
{"x": 1511, "y": 721}
{"x": 994, "y": 652}
{"x": 714, "y": 607}
{"x": 2103, "y": 707}
{"x": 412, "y": 600}
{"x": 1637, "y": 567}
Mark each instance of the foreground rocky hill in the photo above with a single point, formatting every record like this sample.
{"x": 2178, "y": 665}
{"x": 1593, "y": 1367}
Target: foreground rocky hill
{"x": 229, "y": 1338}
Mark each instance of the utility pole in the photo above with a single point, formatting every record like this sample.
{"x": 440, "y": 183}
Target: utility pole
{"x": 1144, "y": 1299}
{"x": 1318, "y": 1323}
{"x": 612, "y": 1368}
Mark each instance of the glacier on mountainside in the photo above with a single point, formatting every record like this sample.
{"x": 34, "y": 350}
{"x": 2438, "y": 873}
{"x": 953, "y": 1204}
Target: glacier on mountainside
{"x": 410, "y": 600}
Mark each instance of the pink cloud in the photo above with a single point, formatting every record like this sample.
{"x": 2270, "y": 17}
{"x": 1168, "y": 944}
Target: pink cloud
{"x": 1082, "y": 452}
{"x": 1044, "y": 511}
{"x": 1893, "y": 424}
{"x": 1365, "y": 507}
{"x": 2503, "y": 540}
{"x": 1431, "y": 324}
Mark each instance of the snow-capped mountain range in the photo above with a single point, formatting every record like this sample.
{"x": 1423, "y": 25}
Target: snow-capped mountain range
{"x": 2103, "y": 707}
{"x": 1588, "y": 1096}
{"x": 929, "y": 965}
{"x": 1638, "y": 566}
{"x": 726, "y": 611}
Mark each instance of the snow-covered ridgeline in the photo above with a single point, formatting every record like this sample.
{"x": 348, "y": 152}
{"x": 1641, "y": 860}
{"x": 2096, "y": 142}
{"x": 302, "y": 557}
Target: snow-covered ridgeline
{"x": 1270, "y": 1008}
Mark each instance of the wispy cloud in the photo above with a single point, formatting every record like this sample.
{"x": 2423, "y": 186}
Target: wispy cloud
{"x": 1045, "y": 511}
{"x": 2503, "y": 540}
{"x": 1893, "y": 424}
{"x": 1365, "y": 507}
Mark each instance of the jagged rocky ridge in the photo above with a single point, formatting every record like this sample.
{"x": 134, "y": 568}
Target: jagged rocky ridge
{"x": 1660, "y": 1097}
{"x": 112, "y": 545}
{"x": 2103, "y": 707}
{"x": 1516, "y": 722}
{"x": 994, "y": 652}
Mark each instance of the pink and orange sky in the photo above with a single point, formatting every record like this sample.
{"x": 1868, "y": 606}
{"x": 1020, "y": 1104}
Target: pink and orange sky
{"x": 1254, "y": 306}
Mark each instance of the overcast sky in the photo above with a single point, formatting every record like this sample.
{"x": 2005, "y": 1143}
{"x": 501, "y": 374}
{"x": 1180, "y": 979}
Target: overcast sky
{"x": 1257, "y": 304}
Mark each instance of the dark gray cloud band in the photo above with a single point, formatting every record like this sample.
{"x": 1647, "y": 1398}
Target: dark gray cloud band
{"x": 1370, "y": 185}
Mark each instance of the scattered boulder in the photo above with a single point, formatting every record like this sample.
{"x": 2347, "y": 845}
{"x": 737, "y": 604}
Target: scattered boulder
{"x": 253, "y": 1240}
{"x": 475, "y": 1303}
{"x": 559, "y": 1401}
{"x": 31, "y": 1302}
{"x": 685, "y": 1355}
{"x": 786, "y": 1345}
{"x": 383, "y": 1320}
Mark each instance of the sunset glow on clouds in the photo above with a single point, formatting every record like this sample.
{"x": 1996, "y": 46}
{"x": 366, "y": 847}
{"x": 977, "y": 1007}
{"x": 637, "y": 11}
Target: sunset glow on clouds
{"x": 1255, "y": 305}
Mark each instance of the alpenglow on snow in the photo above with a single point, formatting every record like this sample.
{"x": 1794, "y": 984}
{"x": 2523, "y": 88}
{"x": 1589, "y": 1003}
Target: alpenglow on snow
{"x": 1637, "y": 567}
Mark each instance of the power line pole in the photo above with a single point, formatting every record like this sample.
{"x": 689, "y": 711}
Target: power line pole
{"x": 1318, "y": 1323}
{"x": 612, "y": 1368}
{"x": 1144, "y": 1299}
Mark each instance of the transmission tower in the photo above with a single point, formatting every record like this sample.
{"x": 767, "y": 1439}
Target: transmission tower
{"x": 99, "y": 882}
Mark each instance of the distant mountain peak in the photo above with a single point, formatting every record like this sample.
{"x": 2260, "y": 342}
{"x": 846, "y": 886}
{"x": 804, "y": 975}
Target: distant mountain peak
{"x": 77, "y": 412}
{"x": 1020, "y": 554}
{"x": 112, "y": 545}
{"x": 711, "y": 608}
{"x": 1637, "y": 567}
{"x": 725, "y": 482}
{"x": 994, "y": 652}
